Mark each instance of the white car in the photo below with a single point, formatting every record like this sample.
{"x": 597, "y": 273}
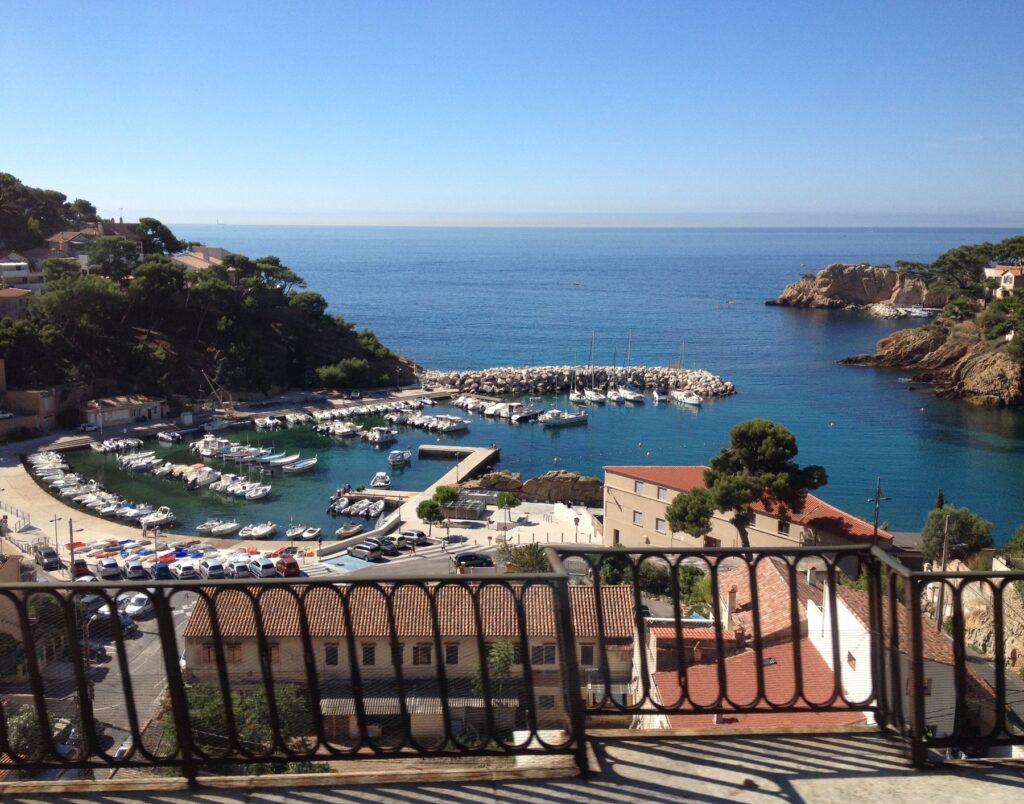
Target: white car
{"x": 108, "y": 569}
{"x": 139, "y": 606}
{"x": 184, "y": 570}
{"x": 6, "y": 414}
{"x": 262, "y": 567}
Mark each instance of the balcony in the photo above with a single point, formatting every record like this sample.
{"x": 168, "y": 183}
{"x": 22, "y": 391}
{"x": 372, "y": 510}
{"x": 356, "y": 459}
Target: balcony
{"x": 806, "y": 669}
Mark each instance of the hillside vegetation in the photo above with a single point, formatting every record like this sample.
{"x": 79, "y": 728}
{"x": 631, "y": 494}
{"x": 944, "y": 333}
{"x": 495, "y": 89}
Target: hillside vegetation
{"x": 153, "y": 327}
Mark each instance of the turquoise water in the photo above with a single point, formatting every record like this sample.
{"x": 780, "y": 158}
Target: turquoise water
{"x": 469, "y": 298}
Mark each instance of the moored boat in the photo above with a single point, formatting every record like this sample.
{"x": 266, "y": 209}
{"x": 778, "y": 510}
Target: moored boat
{"x": 301, "y": 466}
{"x": 348, "y": 530}
{"x": 399, "y": 457}
{"x": 381, "y": 480}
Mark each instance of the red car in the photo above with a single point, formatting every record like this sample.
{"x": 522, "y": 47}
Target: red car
{"x": 80, "y": 568}
{"x": 288, "y": 566}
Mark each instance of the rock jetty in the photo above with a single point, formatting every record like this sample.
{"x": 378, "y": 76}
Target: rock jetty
{"x": 558, "y": 485}
{"x": 877, "y": 289}
{"x": 518, "y": 381}
{"x": 957, "y": 359}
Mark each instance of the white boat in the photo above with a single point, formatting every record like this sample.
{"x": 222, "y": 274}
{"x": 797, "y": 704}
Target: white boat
{"x": 614, "y": 396}
{"x": 578, "y": 397}
{"x": 269, "y": 457}
{"x": 380, "y": 436}
{"x": 208, "y": 526}
{"x": 216, "y": 424}
{"x": 918, "y": 311}
{"x": 381, "y": 480}
{"x": 266, "y": 530}
{"x": 339, "y": 505}
{"x": 399, "y": 457}
{"x": 162, "y": 516}
{"x": 295, "y": 531}
{"x": 287, "y": 460}
{"x": 309, "y": 534}
{"x": 687, "y": 397}
{"x": 559, "y": 418}
{"x": 225, "y": 529}
{"x": 594, "y": 397}
{"x": 168, "y": 436}
{"x": 346, "y": 531}
{"x": 632, "y": 396}
{"x": 257, "y": 493}
{"x": 375, "y": 509}
{"x": 357, "y": 508}
{"x": 658, "y": 396}
{"x": 301, "y": 466}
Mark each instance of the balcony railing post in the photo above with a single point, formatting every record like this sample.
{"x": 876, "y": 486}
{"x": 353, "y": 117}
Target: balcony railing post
{"x": 175, "y": 685}
{"x": 918, "y": 749}
{"x": 881, "y": 688}
{"x": 577, "y": 713}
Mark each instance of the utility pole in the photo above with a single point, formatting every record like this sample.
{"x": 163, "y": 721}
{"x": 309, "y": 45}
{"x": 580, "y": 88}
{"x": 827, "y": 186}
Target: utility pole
{"x": 877, "y": 499}
{"x": 56, "y": 538}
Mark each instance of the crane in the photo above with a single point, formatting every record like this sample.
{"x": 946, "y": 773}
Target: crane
{"x": 222, "y": 395}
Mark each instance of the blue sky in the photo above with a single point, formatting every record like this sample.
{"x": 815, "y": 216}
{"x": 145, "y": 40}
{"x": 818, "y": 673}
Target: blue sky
{"x": 693, "y": 113}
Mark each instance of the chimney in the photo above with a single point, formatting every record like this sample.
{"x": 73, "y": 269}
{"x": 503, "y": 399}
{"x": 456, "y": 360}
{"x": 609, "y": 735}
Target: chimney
{"x": 741, "y": 637}
{"x": 729, "y": 609}
{"x": 120, "y": 219}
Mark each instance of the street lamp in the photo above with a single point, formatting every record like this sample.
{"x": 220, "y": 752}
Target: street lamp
{"x": 55, "y": 520}
{"x": 71, "y": 545}
{"x": 877, "y": 500}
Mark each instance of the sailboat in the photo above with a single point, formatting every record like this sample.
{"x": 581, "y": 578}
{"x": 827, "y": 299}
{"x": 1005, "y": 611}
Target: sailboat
{"x": 576, "y": 396}
{"x": 592, "y": 395}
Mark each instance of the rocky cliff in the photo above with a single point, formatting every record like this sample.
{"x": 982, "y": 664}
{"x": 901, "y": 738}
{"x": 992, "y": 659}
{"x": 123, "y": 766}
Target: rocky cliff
{"x": 842, "y": 286}
{"x": 956, "y": 359}
{"x": 558, "y": 485}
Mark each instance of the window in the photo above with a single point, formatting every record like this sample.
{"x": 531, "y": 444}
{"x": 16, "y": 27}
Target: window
{"x": 209, "y": 657}
{"x": 421, "y": 654}
{"x": 542, "y": 654}
{"x": 638, "y": 519}
{"x": 275, "y": 653}
{"x": 546, "y": 701}
{"x": 369, "y": 655}
{"x": 784, "y": 527}
{"x": 451, "y": 653}
{"x": 331, "y": 655}
{"x": 851, "y": 660}
{"x": 587, "y": 655}
{"x": 615, "y": 536}
{"x": 660, "y": 525}
{"x": 234, "y": 653}
{"x": 711, "y": 541}
{"x": 398, "y": 654}
{"x": 638, "y": 486}
{"x": 517, "y": 653}
{"x": 662, "y": 493}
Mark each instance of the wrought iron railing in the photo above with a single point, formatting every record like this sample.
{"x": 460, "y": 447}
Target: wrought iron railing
{"x": 213, "y": 677}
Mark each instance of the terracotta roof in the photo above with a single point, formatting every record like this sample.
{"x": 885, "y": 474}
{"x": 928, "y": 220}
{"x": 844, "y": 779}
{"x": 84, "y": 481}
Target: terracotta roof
{"x": 773, "y": 597}
{"x": 121, "y": 401}
{"x": 1013, "y": 270}
{"x": 741, "y": 686}
{"x": 699, "y": 634}
{"x": 817, "y": 513}
{"x": 196, "y": 263}
{"x": 14, "y": 293}
{"x": 66, "y": 237}
{"x": 412, "y": 611}
{"x": 937, "y": 647}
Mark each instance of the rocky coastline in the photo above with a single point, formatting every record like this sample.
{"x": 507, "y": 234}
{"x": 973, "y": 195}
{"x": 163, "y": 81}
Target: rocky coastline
{"x": 956, "y": 359}
{"x": 558, "y": 485}
{"x": 875, "y": 289}
{"x": 518, "y": 381}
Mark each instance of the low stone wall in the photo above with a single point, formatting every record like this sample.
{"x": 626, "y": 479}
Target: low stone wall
{"x": 517, "y": 381}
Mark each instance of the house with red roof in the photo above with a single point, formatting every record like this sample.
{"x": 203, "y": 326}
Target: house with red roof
{"x": 636, "y": 497}
{"x": 1009, "y": 277}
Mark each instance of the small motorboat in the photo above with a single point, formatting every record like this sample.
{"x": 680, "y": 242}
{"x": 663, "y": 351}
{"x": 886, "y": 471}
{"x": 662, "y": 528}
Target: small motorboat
{"x": 577, "y": 397}
{"x": 337, "y": 506}
{"x": 301, "y": 466}
{"x": 381, "y": 480}
{"x": 594, "y": 397}
{"x": 169, "y": 436}
{"x": 357, "y": 508}
{"x": 257, "y": 493}
{"x": 266, "y": 530}
{"x": 225, "y": 529}
{"x": 162, "y": 516}
{"x": 560, "y": 418}
{"x": 295, "y": 531}
{"x": 687, "y": 398}
{"x": 348, "y": 530}
{"x": 207, "y": 527}
{"x": 399, "y": 457}
{"x": 629, "y": 395}
{"x": 375, "y": 509}
{"x": 310, "y": 534}
{"x": 285, "y": 460}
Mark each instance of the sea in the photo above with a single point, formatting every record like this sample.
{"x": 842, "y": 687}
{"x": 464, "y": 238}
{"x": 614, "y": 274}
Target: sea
{"x": 468, "y": 298}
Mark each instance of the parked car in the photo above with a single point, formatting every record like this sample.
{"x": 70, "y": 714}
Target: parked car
{"x": 6, "y": 414}
{"x": 139, "y": 606}
{"x": 108, "y": 569}
{"x": 124, "y": 748}
{"x": 79, "y": 567}
{"x": 87, "y": 428}
{"x": 184, "y": 570}
{"x": 388, "y": 545}
{"x": 287, "y": 567}
{"x": 102, "y": 622}
{"x": 368, "y": 551}
{"x": 91, "y": 603}
{"x": 473, "y": 560}
{"x": 134, "y": 571}
{"x": 262, "y": 567}
{"x": 211, "y": 568}
{"x": 95, "y": 651}
{"x": 161, "y": 572}
{"x": 87, "y": 578}
{"x": 237, "y": 568}
{"x": 47, "y": 558}
{"x": 417, "y": 537}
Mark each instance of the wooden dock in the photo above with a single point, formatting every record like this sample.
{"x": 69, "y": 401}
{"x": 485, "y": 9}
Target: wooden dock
{"x": 471, "y": 461}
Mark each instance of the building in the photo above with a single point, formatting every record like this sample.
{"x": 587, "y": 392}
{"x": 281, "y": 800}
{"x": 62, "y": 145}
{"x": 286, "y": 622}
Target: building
{"x": 852, "y": 632}
{"x": 1009, "y": 277}
{"x": 417, "y": 652}
{"x": 13, "y": 301}
{"x": 199, "y": 258}
{"x": 75, "y": 244}
{"x": 636, "y": 497}
{"x": 116, "y": 411}
{"x": 18, "y": 271}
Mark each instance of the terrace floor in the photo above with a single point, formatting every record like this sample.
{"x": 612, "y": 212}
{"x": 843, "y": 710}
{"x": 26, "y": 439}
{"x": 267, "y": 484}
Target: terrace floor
{"x": 820, "y": 768}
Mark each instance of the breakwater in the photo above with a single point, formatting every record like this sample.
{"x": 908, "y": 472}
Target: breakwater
{"x": 516, "y": 381}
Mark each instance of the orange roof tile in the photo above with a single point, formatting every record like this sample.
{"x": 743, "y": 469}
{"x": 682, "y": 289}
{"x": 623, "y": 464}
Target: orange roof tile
{"x": 773, "y": 598}
{"x": 412, "y": 611}
{"x": 701, "y": 634}
{"x": 741, "y": 685}
{"x": 14, "y": 293}
{"x": 817, "y": 513}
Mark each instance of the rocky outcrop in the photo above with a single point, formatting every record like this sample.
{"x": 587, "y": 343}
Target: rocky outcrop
{"x": 518, "y": 381}
{"x": 842, "y": 286}
{"x": 497, "y": 481}
{"x": 560, "y": 485}
{"x": 956, "y": 359}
